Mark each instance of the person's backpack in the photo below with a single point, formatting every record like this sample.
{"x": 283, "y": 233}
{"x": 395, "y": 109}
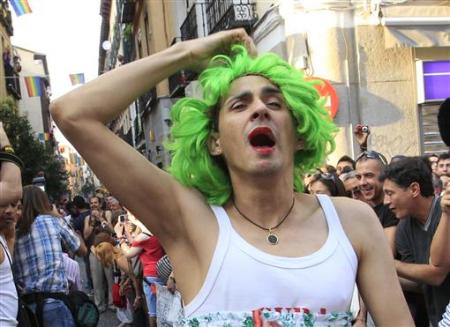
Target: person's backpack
{"x": 84, "y": 311}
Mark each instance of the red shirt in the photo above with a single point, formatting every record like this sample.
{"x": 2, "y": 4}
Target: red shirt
{"x": 152, "y": 252}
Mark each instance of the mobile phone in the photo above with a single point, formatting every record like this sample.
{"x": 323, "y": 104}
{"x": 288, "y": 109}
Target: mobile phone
{"x": 122, "y": 218}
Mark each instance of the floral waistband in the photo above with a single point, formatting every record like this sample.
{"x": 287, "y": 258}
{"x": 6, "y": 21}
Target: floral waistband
{"x": 278, "y": 317}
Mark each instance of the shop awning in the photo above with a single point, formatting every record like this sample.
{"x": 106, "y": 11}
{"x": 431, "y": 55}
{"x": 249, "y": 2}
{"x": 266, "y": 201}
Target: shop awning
{"x": 424, "y": 24}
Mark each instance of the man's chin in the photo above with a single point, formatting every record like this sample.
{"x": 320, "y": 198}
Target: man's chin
{"x": 368, "y": 196}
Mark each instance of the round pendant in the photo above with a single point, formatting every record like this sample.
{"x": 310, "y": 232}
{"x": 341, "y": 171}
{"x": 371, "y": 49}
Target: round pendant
{"x": 272, "y": 239}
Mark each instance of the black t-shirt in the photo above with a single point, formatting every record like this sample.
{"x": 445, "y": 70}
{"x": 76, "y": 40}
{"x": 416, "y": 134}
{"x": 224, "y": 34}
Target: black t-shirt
{"x": 413, "y": 242}
{"x": 387, "y": 218}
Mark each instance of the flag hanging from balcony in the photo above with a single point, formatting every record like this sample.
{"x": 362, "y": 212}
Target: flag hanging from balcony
{"x": 77, "y": 78}
{"x": 34, "y": 86}
{"x": 21, "y": 7}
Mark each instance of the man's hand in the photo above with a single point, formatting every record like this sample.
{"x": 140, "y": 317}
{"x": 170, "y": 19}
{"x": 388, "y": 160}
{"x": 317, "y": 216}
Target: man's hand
{"x": 362, "y": 135}
{"x": 202, "y": 50}
{"x": 445, "y": 202}
{"x": 118, "y": 229}
{"x": 137, "y": 302}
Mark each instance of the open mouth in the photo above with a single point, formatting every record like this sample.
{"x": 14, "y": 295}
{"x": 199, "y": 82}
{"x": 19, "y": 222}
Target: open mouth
{"x": 262, "y": 139}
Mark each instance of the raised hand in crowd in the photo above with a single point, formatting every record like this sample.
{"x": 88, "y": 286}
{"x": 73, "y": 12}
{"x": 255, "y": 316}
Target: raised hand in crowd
{"x": 362, "y": 133}
{"x": 439, "y": 253}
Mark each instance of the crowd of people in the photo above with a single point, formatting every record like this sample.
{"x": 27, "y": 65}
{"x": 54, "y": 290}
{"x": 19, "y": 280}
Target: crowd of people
{"x": 51, "y": 249}
{"x": 258, "y": 230}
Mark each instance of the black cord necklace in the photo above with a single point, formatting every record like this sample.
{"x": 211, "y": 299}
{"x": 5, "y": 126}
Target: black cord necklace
{"x": 271, "y": 237}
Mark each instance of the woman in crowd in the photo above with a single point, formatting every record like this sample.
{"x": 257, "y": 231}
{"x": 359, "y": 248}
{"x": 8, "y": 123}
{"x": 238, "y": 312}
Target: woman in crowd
{"x": 149, "y": 249}
{"x": 38, "y": 258}
{"x": 326, "y": 183}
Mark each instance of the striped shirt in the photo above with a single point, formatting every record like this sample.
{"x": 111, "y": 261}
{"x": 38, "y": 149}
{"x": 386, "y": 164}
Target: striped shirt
{"x": 72, "y": 269}
{"x": 38, "y": 256}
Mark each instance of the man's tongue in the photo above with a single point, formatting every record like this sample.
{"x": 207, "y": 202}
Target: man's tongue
{"x": 262, "y": 141}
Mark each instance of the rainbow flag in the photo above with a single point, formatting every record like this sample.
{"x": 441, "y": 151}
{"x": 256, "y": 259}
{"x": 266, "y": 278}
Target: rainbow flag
{"x": 21, "y": 7}
{"x": 77, "y": 78}
{"x": 34, "y": 86}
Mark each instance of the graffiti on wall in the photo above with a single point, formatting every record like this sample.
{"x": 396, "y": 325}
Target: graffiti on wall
{"x": 391, "y": 145}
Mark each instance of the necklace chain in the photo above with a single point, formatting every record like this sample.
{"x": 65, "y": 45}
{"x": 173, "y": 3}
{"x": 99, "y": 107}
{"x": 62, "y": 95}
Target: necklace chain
{"x": 262, "y": 227}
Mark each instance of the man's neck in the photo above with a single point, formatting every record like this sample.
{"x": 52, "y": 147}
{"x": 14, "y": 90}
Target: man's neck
{"x": 264, "y": 200}
{"x": 422, "y": 208}
{"x": 377, "y": 201}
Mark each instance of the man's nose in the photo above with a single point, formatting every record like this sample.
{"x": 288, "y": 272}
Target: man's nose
{"x": 260, "y": 110}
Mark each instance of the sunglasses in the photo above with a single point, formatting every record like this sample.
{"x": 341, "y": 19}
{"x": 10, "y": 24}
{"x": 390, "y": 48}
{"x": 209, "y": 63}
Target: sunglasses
{"x": 327, "y": 176}
{"x": 372, "y": 155}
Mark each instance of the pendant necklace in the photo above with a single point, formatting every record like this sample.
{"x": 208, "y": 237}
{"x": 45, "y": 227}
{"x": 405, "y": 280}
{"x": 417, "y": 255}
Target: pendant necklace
{"x": 272, "y": 238}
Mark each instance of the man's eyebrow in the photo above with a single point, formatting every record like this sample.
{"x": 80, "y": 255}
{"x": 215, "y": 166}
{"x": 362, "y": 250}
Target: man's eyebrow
{"x": 239, "y": 96}
{"x": 267, "y": 90}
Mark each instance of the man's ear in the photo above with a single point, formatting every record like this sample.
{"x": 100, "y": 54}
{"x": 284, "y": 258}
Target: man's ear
{"x": 214, "y": 146}
{"x": 299, "y": 145}
{"x": 415, "y": 189}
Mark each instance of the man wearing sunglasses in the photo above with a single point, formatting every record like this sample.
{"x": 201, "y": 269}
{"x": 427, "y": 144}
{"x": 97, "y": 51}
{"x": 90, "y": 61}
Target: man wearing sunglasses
{"x": 369, "y": 167}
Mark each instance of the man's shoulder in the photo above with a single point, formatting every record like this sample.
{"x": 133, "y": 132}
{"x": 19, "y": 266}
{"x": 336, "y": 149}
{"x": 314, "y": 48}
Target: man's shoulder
{"x": 348, "y": 207}
{"x": 355, "y": 214}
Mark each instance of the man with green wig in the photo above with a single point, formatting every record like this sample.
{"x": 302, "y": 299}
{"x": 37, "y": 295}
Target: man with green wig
{"x": 247, "y": 247}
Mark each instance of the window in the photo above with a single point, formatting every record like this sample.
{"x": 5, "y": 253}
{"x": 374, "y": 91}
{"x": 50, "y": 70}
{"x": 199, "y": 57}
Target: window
{"x": 430, "y": 137}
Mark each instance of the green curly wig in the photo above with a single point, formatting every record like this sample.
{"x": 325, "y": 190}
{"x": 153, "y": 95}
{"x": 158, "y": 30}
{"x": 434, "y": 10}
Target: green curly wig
{"x": 193, "y": 120}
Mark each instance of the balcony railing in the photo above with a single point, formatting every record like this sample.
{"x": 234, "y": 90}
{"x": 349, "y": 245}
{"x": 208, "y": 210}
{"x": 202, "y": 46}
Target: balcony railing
{"x": 146, "y": 101}
{"x": 139, "y": 133}
{"x": 127, "y": 8}
{"x": 179, "y": 81}
{"x": 5, "y": 17}
{"x": 189, "y": 29}
{"x": 12, "y": 80}
{"x": 128, "y": 44}
{"x": 229, "y": 14}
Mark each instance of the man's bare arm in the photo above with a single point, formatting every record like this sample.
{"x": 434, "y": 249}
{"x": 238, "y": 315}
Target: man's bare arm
{"x": 140, "y": 186}
{"x": 377, "y": 279}
{"x": 423, "y": 273}
{"x": 439, "y": 252}
{"x": 10, "y": 176}
{"x": 389, "y": 232}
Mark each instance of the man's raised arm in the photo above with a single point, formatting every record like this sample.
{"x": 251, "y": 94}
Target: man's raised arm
{"x": 10, "y": 175}
{"x": 83, "y": 113}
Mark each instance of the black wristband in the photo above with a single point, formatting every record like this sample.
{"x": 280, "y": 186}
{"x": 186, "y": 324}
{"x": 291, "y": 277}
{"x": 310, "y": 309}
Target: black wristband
{"x": 5, "y": 156}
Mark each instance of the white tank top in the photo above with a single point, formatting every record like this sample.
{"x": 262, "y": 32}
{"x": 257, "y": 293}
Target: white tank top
{"x": 243, "y": 278}
{"x": 8, "y": 293}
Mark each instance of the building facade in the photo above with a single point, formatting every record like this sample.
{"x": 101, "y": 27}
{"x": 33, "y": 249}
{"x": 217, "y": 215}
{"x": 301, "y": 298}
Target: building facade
{"x": 10, "y": 67}
{"x": 387, "y": 61}
{"x": 35, "y": 108}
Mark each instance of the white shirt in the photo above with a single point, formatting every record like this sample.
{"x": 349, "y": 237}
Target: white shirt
{"x": 8, "y": 292}
{"x": 243, "y": 278}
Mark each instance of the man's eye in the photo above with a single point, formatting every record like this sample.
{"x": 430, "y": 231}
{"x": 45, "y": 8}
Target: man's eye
{"x": 238, "y": 106}
{"x": 274, "y": 104}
